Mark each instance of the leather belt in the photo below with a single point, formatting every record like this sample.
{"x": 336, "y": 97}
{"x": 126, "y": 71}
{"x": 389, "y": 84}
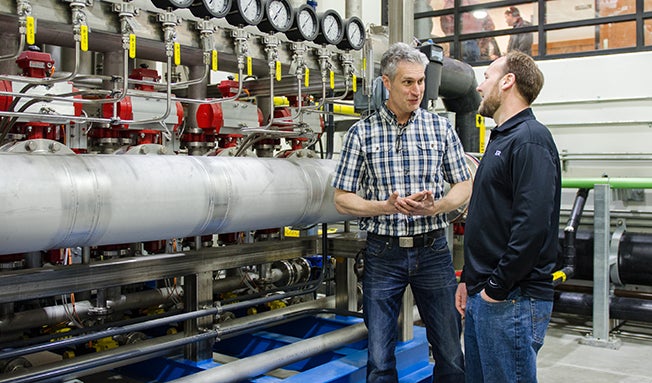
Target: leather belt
{"x": 420, "y": 240}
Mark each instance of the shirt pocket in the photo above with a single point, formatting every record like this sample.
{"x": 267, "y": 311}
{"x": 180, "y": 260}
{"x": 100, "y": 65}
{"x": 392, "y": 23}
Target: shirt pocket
{"x": 379, "y": 159}
{"x": 428, "y": 160}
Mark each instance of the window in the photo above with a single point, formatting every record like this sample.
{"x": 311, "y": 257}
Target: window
{"x": 477, "y": 31}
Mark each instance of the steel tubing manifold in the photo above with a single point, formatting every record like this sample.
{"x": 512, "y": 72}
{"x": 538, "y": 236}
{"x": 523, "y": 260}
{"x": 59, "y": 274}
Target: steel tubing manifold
{"x": 51, "y": 201}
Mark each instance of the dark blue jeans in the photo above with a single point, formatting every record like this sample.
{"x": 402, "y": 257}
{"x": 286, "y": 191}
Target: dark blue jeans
{"x": 430, "y": 273}
{"x": 501, "y": 340}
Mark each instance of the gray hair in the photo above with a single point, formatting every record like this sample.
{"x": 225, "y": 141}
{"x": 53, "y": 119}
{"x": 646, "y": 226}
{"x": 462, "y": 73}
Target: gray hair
{"x": 397, "y": 53}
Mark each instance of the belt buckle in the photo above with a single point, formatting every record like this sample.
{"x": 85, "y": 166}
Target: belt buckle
{"x": 405, "y": 242}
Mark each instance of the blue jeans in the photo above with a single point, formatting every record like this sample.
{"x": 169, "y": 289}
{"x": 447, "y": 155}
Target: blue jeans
{"x": 501, "y": 340}
{"x": 430, "y": 273}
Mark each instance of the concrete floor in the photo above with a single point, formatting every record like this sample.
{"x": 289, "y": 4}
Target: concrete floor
{"x": 564, "y": 359}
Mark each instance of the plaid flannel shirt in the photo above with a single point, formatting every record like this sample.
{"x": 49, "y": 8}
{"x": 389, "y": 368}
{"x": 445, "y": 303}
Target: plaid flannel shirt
{"x": 378, "y": 157}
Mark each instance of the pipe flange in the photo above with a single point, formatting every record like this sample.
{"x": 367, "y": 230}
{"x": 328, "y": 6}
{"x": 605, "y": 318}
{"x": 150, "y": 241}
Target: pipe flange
{"x": 99, "y": 311}
{"x": 40, "y": 146}
{"x": 614, "y": 247}
{"x": 149, "y": 149}
{"x": 13, "y": 365}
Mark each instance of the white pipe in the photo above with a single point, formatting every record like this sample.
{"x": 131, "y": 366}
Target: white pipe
{"x": 60, "y": 201}
{"x": 252, "y": 366}
{"x": 259, "y": 364}
{"x": 353, "y": 8}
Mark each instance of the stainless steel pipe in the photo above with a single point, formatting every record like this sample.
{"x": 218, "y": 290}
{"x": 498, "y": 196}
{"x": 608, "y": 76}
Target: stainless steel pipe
{"x": 252, "y": 366}
{"x": 258, "y": 364}
{"x": 51, "y": 315}
{"x": 61, "y": 201}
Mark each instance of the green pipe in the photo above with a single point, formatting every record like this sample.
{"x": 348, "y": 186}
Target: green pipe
{"x": 615, "y": 183}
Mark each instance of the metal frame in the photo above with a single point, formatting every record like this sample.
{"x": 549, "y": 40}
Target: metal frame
{"x": 37, "y": 283}
{"x": 602, "y": 262}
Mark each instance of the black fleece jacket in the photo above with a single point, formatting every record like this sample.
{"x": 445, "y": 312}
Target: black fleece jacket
{"x": 511, "y": 231}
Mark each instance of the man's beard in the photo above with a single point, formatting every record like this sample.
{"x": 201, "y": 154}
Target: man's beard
{"x": 489, "y": 105}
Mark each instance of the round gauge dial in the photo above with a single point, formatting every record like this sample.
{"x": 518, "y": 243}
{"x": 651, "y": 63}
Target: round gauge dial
{"x": 165, "y": 4}
{"x": 305, "y": 25}
{"x": 331, "y": 28}
{"x": 278, "y": 16}
{"x": 245, "y": 12}
{"x": 354, "y": 34}
{"x": 211, "y": 8}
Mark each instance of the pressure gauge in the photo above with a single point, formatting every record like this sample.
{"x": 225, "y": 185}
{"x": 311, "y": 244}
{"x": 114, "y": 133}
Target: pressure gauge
{"x": 305, "y": 25}
{"x": 278, "y": 16}
{"x": 331, "y": 28}
{"x": 246, "y": 12}
{"x": 211, "y": 8}
{"x": 165, "y": 4}
{"x": 354, "y": 34}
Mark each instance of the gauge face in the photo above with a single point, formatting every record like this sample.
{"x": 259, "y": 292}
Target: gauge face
{"x": 278, "y": 16}
{"x": 251, "y": 9}
{"x": 211, "y": 8}
{"x": 354, "y": 34}
{"x": 332, "y": 29}
{"x": 164, "y": 4}
{"x": 245, "y": 12}
{"x": 305, "y": 26}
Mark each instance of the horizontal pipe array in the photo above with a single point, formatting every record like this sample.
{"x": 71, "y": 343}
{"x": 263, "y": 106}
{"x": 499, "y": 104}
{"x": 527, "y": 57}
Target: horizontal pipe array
{"x": 61, "y": 201}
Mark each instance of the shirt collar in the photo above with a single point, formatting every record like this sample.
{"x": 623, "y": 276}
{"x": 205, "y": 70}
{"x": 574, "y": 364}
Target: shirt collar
{"x": 515, "y": 120}
{"x": 390, "y": 117}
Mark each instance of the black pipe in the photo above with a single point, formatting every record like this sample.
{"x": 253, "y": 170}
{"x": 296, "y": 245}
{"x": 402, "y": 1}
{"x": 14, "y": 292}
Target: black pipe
{"x": 634, "y": 257}
{"x": 569, "y": 253}
{"x": 458, "y": 93}
{"x": 619, "y": 307}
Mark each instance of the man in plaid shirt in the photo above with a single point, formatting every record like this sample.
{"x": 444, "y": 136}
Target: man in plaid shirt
{"x": 391, "y": 174}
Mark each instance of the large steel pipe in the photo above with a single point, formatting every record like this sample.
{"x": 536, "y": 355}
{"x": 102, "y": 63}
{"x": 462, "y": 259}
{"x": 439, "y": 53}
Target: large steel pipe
{"x": 60, "y": 201}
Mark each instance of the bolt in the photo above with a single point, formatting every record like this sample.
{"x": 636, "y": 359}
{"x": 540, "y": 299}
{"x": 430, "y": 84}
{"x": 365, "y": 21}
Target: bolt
{"x": 30, "y": 146}
{"x": 55, "y": 147}
{"x": 143, "y": 150}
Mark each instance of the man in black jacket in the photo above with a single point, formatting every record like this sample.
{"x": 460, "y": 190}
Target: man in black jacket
{"x": 511, "y": 232}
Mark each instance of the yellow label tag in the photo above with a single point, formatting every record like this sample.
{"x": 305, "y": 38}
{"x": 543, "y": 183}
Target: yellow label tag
{"x": 354, "y": 79}
{"x": 332, "y": 76}
{"x": 364, "y": 63}
{"x": 479, "y": 123}
{"x": 30, "y": 25}
{"x": 249, "y": 66}
{"x": 177, "y": 54}
{"x": 83, "y": 30}
{"x": 132, "y": 46}
{"x": 214, "y": 60}
{"x": 559, "y": 275}
{"x": 278, "y": 71}
{"x": 306, "y": 78}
